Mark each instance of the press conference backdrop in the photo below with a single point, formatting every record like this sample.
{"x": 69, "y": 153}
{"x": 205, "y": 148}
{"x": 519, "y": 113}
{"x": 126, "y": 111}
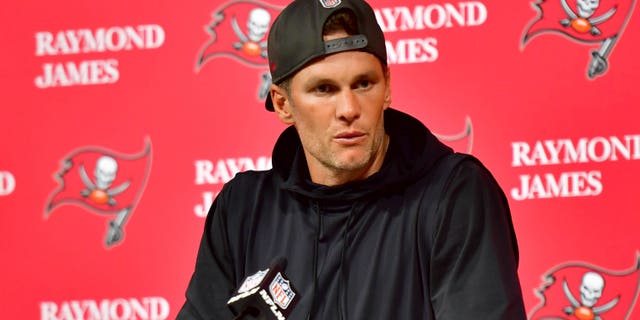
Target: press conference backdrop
{"x": 122, "y": 120}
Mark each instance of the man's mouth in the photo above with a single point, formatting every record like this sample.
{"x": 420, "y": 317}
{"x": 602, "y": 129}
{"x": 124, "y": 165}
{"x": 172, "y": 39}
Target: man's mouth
{"x": 349, "y": 137}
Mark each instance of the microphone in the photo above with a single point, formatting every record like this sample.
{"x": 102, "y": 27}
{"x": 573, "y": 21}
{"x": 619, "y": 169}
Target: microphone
{"x": 265, "y": 295}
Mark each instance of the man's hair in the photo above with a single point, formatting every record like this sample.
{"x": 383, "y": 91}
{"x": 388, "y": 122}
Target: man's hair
{"x": 343, "y": 20}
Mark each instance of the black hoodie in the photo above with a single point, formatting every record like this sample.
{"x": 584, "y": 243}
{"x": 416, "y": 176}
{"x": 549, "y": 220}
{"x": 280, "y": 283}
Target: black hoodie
{"x": 429, "y": 236}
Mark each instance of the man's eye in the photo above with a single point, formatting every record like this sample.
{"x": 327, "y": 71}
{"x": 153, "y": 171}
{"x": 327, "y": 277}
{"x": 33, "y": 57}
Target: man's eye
{"x": 323, "y": 88}
{"x": 364, "y": 84}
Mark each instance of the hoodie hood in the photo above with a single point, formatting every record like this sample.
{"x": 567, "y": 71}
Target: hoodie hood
{"x": 412, "y": 152}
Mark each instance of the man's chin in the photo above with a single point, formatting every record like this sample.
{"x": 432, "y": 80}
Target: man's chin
{"x": 352, "y": 163}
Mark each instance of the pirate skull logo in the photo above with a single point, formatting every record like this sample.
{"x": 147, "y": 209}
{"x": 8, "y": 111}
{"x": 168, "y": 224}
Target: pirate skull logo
{"x": 591, "y": 290}
{"x": 583, "y": 20}
{"x": 105, "y": 173}
{"x": 257, "y": 27}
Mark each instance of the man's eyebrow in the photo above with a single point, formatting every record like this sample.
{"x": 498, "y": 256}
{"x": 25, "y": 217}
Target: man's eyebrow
{"x": 316, "y": 79}
{"x": 370, "y": 74}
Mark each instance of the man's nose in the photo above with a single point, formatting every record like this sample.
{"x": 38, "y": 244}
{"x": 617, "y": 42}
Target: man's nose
{"x": 348, "y": 108}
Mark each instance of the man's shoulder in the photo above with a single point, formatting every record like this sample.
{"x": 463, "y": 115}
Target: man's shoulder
{"x": 450, "y": 164}
{"x": 246, "y": 188}
{"x": 468, "y": 167}
{"x": 455, "y": 171}
{"x": 251, "y": 178}
{"x": 250, "y": 182}
{"x": 469, "y": 180}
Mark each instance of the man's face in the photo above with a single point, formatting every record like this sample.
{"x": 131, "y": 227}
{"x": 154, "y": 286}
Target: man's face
{"x": 336, "y": 104}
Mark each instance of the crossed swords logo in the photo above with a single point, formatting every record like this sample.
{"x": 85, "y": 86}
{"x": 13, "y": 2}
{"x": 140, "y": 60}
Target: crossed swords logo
{"x": 101, "y": 192}
{"x": 248, "y": 45}
{"x": 581, "y": 310}
{"x": 583, "y": 23}
{"x": 251, "y": 44}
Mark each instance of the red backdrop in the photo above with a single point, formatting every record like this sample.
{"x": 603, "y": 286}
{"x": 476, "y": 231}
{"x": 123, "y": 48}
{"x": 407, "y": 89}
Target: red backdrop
{"x": 170, "y": 92}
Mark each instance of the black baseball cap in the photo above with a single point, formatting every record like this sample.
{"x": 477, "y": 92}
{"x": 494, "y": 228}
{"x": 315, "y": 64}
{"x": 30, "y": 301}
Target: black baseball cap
{"x": 295, "y": 38}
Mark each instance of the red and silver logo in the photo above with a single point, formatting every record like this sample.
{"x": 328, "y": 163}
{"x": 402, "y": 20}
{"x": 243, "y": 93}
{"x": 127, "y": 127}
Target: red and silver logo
{"x": 281, "y": 291}
{"x": 330, "y": 3}
{"x": 253, "y": 281}
{"x": 582, "y": 291}
{"x": 102, "y": 181}
{"x": 589, "y": 22}
{"x": 238, "y": 30}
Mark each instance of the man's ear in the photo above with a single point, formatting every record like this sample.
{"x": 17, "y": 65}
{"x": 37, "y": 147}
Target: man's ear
{"x": 281, "y": 104}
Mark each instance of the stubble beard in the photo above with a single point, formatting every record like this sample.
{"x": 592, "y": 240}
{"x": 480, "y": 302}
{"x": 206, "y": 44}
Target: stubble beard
{"x": 336, "y": 163}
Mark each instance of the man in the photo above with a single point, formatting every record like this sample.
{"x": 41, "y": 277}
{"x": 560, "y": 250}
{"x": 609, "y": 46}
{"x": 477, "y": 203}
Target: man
{"x": 375, "y": 217}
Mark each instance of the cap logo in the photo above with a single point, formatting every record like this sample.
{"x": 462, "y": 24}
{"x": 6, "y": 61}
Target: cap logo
{"x": 330, "y": 3}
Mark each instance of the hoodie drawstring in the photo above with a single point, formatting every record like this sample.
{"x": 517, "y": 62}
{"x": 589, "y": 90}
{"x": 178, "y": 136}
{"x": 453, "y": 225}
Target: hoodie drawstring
{"x": 342, "y": 283}
{"x": 315, "y": 263}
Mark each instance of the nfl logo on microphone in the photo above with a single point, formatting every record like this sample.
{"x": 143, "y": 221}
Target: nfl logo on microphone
{"x": 330, "y": 3}
{"x": 281, "y": 291}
